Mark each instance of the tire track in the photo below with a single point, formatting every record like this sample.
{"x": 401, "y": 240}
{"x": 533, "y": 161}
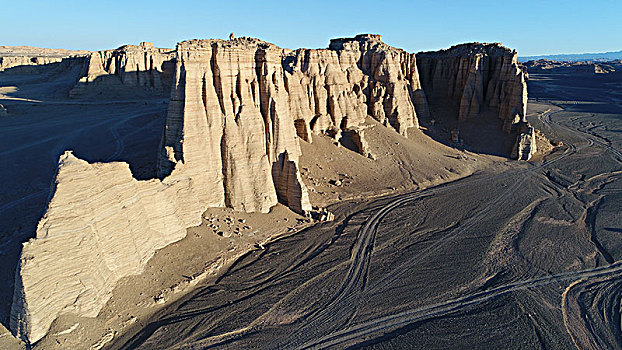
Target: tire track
{"x": 591, "y": 312}
{"x": 356, "y": 275}
{"x": 385, "y": 324}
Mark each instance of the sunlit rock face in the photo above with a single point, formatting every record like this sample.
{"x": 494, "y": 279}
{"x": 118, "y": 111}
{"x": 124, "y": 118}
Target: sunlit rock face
{"x": 237, "y": 114}
{"x": 240, "y": 107}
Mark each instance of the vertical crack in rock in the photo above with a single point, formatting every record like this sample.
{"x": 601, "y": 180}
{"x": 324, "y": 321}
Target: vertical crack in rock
{"x": 263, "y": 100}
{"x": 216, "y": 79}
{"x": 477, "y": 79}
{"x": 171, "y": 144}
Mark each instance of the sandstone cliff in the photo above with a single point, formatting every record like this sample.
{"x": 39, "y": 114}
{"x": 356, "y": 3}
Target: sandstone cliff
{"x": 26, "y": 58}
{"x": 248, "y": 102}
{"x": 474, "y": 77}
{"x": 100, "y": 225}
{"x": 238, "y": 112}
{"x": 127, "y": 70}
{"x": 15, "y": 61}
{"x": 338, "y": 87}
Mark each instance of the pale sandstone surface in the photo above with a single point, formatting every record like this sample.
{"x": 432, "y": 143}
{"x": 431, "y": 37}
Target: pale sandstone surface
{"x": 208, "y": 249}
{"x": 339, "y": 86}
{"x": 100, "y": 226}
{"x": 525, "y": 146}
{"x": 249, "y": 102}
{"x": 237, "y": 113}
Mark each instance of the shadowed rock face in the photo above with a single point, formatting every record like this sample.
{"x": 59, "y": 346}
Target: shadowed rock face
{"x": 124, "y": 70}
{"x": 237, "y": 112}
{"x": 476, "y": 78}
{"x": 16, "y": 61}
{"x": 22, "y": 58}
{"x": 472, "y": 77}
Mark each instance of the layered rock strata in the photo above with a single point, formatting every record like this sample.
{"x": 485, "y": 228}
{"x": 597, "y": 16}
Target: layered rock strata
{"x": 249, "y": 102}
{"x": 25, "y": 59}
{"x": 476, "y": 77}
{"x": 336, "y": 88}
{"x": 127, "y": 70}
{"x": 100, "y": 225}
{"x": 237, "y": 113}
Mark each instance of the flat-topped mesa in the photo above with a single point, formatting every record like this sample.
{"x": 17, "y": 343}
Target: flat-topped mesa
{"x": 239, "y": 107}
{"x": 129, "y": 69}
{"x": 474, "y": 78}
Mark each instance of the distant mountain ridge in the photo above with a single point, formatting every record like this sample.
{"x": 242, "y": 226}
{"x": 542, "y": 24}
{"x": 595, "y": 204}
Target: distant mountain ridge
{"x": 603, "y": 56}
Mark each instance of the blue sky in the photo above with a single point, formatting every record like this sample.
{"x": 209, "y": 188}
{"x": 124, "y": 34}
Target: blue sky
{"x": 531, "y": 27}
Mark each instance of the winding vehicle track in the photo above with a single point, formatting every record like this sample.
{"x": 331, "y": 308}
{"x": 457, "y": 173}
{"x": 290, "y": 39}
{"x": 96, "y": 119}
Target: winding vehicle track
{"x": 355, "y": 279}
{"x": 591, "y": 310}
{"x": 386, "y": 323}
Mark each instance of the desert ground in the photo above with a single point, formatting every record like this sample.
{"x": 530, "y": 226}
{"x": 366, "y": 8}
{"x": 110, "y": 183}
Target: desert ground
{"x": 514, "y": 256}
{"x": 43, "y": 122}
{"x": 436, "y": 246}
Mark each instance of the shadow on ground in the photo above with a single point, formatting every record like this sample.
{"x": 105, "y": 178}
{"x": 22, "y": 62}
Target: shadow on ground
{"x": 42, "y": 123}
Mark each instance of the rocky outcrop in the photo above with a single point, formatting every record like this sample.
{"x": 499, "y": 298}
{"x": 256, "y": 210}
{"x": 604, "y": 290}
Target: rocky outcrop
{"x": 15, "y": 61}
{"x": 228, "y": 122}
{"x": 237, "y": 114}
{"x": 100, "y": 225}
{"x": 128, "y": 70}
{"x": 338, "y": 87}
{"x": 239, "y": 108}
{"x": 25, "y": 57}
{"x": 32, "y": 51}
{"x": 473, "y": 78}
{"x": 586, "y": 67}
{"x": 525, "y": 145}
